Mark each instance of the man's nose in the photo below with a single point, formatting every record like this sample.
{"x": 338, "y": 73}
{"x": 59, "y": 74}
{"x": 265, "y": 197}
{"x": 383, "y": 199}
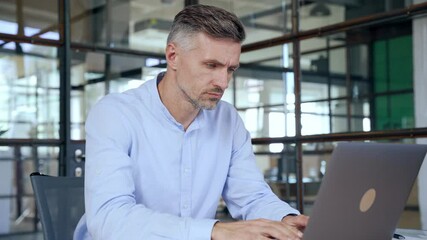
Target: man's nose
{"x": 222, "y": 80}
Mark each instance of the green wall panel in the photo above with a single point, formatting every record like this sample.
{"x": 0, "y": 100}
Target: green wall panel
{"x": 393, "y": 71}
{"x": 400, "y": 63}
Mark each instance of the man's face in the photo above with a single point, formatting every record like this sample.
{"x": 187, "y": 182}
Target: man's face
{"x": 204, "y": 71}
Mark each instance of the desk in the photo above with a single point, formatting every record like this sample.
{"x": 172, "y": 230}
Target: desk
{"x": 412, "y": 234}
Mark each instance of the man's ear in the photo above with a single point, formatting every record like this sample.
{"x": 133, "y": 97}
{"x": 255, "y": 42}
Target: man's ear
{"x": 171, "y": 55}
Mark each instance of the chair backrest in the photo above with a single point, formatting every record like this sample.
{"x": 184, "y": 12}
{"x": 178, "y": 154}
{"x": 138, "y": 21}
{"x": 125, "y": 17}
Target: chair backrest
{"x": 60, "y": 203}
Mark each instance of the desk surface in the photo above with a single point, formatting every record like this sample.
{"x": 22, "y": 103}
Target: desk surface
{"x": 412, "y": 234}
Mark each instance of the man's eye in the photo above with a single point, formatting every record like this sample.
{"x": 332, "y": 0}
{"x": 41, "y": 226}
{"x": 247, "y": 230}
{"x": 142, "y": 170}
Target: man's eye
{"x": 211, "y": 65}
{"x": 232, "y": 70}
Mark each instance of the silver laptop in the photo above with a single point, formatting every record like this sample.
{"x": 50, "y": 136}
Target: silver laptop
{"x": 364, "y": 191}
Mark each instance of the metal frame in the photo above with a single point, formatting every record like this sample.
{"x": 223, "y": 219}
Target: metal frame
{"x": 65, "y": 85}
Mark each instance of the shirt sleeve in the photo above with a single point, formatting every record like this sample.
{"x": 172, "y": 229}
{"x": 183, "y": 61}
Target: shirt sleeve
{"x": 111, "y": 208}
{"x": 246, "y": 193}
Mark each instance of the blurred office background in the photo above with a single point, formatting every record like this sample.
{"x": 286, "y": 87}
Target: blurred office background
{"x": 313, "y": 73}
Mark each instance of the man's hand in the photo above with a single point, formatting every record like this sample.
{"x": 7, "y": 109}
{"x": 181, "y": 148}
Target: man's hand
{"x": 289, "y": 228}
{"x": 299, "y": 221}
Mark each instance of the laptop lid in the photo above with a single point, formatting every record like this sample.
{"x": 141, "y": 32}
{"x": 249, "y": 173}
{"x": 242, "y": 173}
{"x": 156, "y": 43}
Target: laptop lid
{"x": 364, "y": 191}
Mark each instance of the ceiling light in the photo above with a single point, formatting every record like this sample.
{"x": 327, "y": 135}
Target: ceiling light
{"x": 320, "y": 10}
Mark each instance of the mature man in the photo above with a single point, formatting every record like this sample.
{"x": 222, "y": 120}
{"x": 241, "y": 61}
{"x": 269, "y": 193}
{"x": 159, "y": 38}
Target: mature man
{"x": 159, "y": 157}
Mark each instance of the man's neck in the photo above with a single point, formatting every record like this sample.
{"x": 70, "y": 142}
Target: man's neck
{"x": 181, "y": 109}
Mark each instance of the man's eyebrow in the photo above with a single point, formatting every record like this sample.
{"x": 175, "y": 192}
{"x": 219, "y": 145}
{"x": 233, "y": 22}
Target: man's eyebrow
{"x": 220, "y": 63}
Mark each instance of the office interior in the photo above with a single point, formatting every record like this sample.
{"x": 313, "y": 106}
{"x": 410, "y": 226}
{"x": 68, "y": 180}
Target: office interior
{"x": 313, "y": 73}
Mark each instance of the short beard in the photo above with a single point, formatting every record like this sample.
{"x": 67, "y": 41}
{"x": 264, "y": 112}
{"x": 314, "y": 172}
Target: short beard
{"x": 198, "y": 104}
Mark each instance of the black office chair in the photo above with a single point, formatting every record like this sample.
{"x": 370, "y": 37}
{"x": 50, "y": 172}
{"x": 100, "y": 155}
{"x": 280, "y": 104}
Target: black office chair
{"x": 60, "y": 204}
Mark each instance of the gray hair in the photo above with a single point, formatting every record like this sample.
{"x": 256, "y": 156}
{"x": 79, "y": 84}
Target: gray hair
{"x": 213, "y": 21}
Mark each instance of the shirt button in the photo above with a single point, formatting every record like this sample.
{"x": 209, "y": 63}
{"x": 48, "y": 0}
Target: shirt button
{"x": 186, "y": 170}
{"x": 185, "y": 206}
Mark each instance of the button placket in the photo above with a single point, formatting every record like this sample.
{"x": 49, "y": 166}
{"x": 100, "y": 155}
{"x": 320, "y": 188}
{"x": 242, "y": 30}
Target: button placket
{"x": 186, "y": 177}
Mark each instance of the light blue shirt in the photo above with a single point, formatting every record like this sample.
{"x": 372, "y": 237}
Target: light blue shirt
{"x": 147, "y": 178}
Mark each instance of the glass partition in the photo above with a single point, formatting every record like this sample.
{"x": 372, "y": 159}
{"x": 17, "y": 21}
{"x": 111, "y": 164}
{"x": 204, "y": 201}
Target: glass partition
{"x": 315, "y": 14}
{"x": 262, "y": 19}
{"x": 17, "y": 206}
{"x": 30, "y": 18}
{"x": 94, "y": 75}
{"x": 136, "y": 24}
{"x": 29, "y": 99}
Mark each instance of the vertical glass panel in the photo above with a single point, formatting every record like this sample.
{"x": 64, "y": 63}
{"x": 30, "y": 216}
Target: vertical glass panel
{"x": 314, "y": 124}
{"x": 339, "y": 124}
{"x": 254, "y": 120}
{"x": 358, "y": 59}
{"x": 278, "y": 56}
{"x": 252, "y": 92}
{"x": 264, "y": 85}
{"x": 333, "y": 70}
{"x": 136, "y": 24}
{"x": 319, "y": 108}
{"x": 361, "y": 107}
{"x": 338, "y": 61}
{"x": 315, "y": 159}
{"x": 17, "y": 206}
{"x": 77, "y": 115}
{"x": 360, "y": 115}
{"x": 264, "y": 20}
{"x": 315, "y": 62}
{"x": 317, "y": 56}
{"x": 359, "y": 124}
{"x": 338, "y": 89}
{"x": 264, "y": 78}
{"x": 6, "y": 187}
{"x": 279, "y": 170}
{"x": 339, "y": 108}
{"x": 360, "y": 89}
{"x": 93, "y": 75}
{"x": 46, "y": 160}
{"x": 29, "y": 99}
{"x": 269, "y": 122}
{"x": 93, "y": 92}
{"x": 338, "y": 72}
{"x": 315, "y": 118}
{"x": 88, "y": 86}
{"x": 329, "y": 61}
{"x": 30, "y": 18}
{"x": 312, "y": 91}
